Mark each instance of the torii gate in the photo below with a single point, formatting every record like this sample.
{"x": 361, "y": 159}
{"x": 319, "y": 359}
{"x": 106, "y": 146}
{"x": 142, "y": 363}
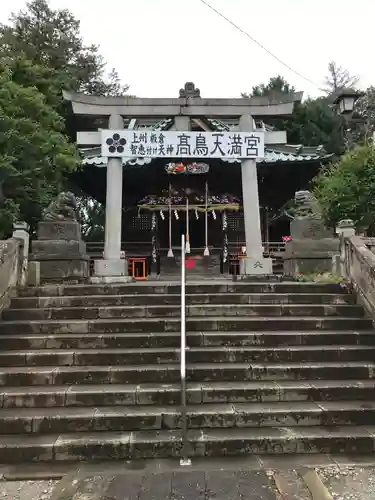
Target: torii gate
{"x": 189, "y": 106}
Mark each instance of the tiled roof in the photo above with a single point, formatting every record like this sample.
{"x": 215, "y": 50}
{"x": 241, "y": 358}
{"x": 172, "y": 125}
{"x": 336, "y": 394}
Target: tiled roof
{"x": 228, "y": 124}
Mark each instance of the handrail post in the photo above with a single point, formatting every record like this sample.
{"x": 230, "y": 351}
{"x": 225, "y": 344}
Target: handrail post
{"x": 184, "y": 425}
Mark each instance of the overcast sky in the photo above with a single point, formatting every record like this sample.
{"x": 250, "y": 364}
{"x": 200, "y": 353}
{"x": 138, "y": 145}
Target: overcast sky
{"x": 158, "y": 45}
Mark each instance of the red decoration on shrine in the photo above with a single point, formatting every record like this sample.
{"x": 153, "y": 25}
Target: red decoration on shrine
{"x": 286, "y": 239}
{"x": 175, "y": 168}
{"x": 190, "y": 263}
{"x": 191, "y": 168}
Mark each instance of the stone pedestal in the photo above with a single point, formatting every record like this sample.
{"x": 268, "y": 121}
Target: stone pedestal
{"x": 312, "y": 249}
{"x": 111, "y": 271}
{"x": 61, "y": 252}
{"x": 308, "y": 228}
{"x": 310, "y": 256}
{"x": 255, "y": 267}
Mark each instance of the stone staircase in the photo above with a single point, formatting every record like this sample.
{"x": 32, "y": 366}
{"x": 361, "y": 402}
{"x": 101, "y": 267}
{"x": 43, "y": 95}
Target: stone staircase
{"x": 92, "y": 372}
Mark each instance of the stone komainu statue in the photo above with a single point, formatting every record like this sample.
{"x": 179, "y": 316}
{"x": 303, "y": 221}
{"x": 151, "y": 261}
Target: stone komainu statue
{"x": 306, "y": 205}
{"x": 64, "y": 208}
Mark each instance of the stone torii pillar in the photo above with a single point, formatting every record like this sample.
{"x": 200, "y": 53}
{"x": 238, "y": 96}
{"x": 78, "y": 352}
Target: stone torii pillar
{"x": 254, "y": 262}
{"x": 112, "y": 268}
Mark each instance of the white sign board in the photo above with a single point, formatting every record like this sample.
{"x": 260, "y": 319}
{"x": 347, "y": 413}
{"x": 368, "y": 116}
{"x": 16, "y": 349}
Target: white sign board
{"x": 172, "y": 144}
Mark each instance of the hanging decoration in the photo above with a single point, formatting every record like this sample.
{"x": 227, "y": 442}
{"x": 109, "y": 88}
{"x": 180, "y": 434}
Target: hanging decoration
{"x": 225, "y": 248}
{"x": 190, "y": 168}
{"x": 153, "y": 241}
{"x": 170, "y": 251}
{"x": 225, "y": 221}
{"x": 154, "y": 251}
{"x": 187, "y": 243}
{"x": 197, "y": 168}
{"x": 206, "y": 252}
{"x": 225, "y": 239}
{"x": 162, "y": 216}
{"x": 153, "y": 221}
{"x": 177, "y": 199}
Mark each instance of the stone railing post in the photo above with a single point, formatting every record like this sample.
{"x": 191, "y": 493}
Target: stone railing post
{"x": 344, "y": 229}
{"x": 9, "y": 270}
{"x": 21, "y": 233}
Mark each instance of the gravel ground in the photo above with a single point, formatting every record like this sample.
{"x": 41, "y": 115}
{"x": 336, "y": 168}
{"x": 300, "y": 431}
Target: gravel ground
{"x": 26, "y": 490}
{"x": 343, "y": 483}
{"x": 349, "y": 483}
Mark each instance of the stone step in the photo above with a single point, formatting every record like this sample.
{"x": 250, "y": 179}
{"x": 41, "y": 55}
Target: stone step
{"x": 170, "y": 394}
{"x": 210, "y": 372}
{"x": 223, "y": 310}
{"x": 167, "y": 443}
{"x": 196, "y": 372}
{"x": 165, "y": 299}
{"x": 29, "y": 341}
{"x": 203, "y": 416}
{"x": 213, "y": 323}
{"x": 169, "y": 288}
{"x": 257, "y": 354}
{"x": 167, "y": 355}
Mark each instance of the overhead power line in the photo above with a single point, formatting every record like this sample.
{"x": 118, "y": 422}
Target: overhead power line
{"x": 258, "y": 43}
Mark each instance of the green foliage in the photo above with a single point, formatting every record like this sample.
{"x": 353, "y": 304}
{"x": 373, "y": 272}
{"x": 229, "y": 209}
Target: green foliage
{"x": 321, "y": 278}
{"x": 51, "y": 39}
{"x": 35, "y": 155}
{"x": 346, "y": 188}
{"x": 362, "y": 126}
{"x": 42, "y": 53}
{"x": 314, "y": 122}
{"x": 276, "y": 85}
{"x": 92, "y": 218}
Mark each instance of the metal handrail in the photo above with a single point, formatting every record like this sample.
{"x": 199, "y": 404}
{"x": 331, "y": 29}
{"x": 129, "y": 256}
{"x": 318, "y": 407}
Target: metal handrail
{"x": 184, "y": 424}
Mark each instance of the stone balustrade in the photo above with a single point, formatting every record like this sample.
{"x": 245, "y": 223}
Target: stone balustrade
{"x": 10, "y": 270}
{"x": 13, "y": 263}
{"x": 357, "y": 263}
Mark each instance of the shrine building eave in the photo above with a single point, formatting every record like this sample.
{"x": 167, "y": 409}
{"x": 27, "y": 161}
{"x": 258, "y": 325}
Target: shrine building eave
{"x": 129, "y": 106}
{"x": 283, "y": 154}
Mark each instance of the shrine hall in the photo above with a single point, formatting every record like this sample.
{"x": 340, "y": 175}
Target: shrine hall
{"x": 163, "y": 198}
